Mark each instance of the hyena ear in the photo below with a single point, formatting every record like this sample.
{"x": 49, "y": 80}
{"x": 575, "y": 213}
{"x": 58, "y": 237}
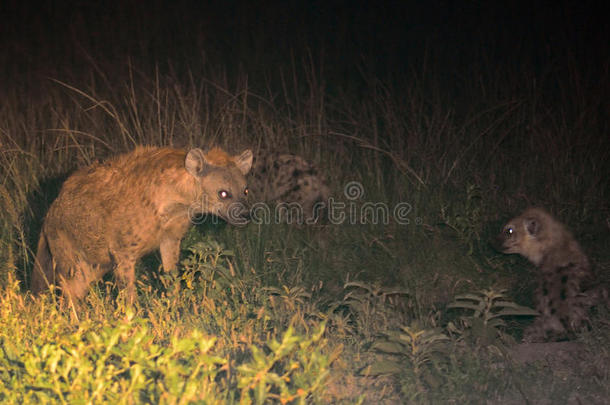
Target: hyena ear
{"x": 244, "y": 161}
{"x": 195, "y": 162}
{"x": 532, "y": 225}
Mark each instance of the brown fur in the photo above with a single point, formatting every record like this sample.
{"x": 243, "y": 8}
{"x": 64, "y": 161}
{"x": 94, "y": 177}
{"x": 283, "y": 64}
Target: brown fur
{"x": 110, "y": 214}
{"x": 563, "y": 295}
{"x": 218, "y": 157}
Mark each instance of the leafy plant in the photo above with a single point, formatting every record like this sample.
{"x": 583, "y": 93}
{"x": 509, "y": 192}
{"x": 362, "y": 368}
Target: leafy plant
{"x": 293, "y": 306}
{"x": 489, "y": 307}
{"x": 207, "y": 270}
{"x": 117, "y": 362}
{"x": 371, "y": 307}
{"x": 291, "y": 370}
{"x": 411, "y": 352}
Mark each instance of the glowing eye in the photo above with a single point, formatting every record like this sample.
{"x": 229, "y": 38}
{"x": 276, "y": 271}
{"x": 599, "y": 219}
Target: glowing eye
{"x": 224, "y": 194}
{"x": 246, "y": 191}
{"x": 509, "y": 232}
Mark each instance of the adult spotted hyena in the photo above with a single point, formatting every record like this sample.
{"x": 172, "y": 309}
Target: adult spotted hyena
{"x": 566, "y": 287}
{"x": 291, "y": 184}
{"x": 110, "y": 214}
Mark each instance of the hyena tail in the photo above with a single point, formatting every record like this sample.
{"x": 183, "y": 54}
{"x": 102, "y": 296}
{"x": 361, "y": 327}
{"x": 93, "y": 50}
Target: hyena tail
{"x": 43, "y": 274}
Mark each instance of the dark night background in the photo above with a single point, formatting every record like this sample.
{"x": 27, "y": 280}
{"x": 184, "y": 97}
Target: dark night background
{"x": 56, "y": 38}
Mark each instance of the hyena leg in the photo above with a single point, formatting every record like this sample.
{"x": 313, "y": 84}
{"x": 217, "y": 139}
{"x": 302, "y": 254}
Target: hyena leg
{"x": 170, "y": 251}
{"x": 125, "y": 272}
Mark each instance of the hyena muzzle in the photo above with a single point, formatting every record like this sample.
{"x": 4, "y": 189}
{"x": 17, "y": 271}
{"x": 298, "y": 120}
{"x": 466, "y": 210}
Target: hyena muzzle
{"x": 109, "y": 215}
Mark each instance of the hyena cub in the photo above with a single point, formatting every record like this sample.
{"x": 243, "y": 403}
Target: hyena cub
{"x": 110, "y": 214}
{"x": 564, "y": 294}
{"x": 292, "y": 184}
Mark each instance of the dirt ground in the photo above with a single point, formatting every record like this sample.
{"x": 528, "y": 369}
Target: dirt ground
{"x": 565, "y": 373}
{"x": 553, "y": 373}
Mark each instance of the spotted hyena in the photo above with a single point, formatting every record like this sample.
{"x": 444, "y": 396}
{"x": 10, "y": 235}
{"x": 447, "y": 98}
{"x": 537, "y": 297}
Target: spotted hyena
{"x": 291, "y": 184}
{"x": 564, "y": 294}
{"x": 110, "y": 214}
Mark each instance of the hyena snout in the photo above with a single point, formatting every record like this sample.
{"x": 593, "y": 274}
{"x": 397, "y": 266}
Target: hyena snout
{"x": 499, "y": 242}
{"x": 238, "y": 213}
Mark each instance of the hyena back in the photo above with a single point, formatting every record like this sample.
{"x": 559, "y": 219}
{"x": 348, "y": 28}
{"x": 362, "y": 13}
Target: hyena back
{"x": 110, "y": 214}
{"x": 291, "y": 183}
{"x": 566, "y": 287}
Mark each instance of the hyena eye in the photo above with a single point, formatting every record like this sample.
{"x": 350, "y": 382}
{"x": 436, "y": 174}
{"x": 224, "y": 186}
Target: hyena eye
{"x": 509, "y": 232}
{"x": 246, "y": 191}
{"x": 224, "y": 194}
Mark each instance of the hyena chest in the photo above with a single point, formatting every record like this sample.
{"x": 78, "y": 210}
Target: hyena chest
{"x": 143, "y": 233}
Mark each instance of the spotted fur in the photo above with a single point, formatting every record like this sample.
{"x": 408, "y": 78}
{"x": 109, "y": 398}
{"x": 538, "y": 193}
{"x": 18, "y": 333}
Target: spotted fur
{"x": 290, "y": 185}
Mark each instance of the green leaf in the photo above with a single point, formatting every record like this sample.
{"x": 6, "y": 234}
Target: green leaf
{"x": 464, "y": 305}
{"x": 518, "y": 310}
{"x": 471, "y": 297}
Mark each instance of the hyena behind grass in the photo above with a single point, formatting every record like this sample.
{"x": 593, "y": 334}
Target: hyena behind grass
{"x": 567, "y": 287}
{"x": 109, "y": 215}
{"x": 292, "y": 185}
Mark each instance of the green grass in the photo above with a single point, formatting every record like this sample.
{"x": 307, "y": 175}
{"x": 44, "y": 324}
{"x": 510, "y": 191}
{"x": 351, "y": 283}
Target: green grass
{"x": 286, "y": 314}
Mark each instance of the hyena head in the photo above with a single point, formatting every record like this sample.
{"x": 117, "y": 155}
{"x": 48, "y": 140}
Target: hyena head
{"x": 222, "y": 184}
{"x": 530, "y": 234}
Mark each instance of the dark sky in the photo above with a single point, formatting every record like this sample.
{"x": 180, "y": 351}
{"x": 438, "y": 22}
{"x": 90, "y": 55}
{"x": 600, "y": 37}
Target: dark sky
{"x": 383, "y": 36}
